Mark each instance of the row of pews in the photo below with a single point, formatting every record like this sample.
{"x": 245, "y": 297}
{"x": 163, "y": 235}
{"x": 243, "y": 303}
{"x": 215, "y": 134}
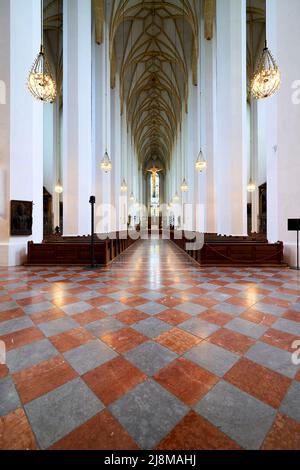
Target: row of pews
{"x": 61, "y": 250}
{"x": 219, "y": 250}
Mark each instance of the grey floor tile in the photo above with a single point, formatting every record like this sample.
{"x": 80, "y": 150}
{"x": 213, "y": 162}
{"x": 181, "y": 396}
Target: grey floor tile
{"x": 247, "y": 328}
{"x": 9, "y": 399}
{"x": 89, "y": 356}
{"x": 152, "y": 327}
{"x": 104, "y": 326}
{"x": 198, "y": 327}
{"x": 190, "y": 308}
{"x": 213, "y": 358}
{"x": 6, "y": 306}
{"x": 291, "y": 403}
{"x": 239, "y": 415}
{"x": 287, "y": 326}
{"x": 78, "y": 307}
{"x": 114, "y": 308}
{"x": 36, "y": 308}
{"x": 16, "y": 324}
{"x": 57, "y": 413}
{"x": 148, "y": 413}
{"x": 29, "y": 355}
{"x": 273, "y": 358}
{"x": 152, "y": 296}
{"x": 151, "y": 308}
{"x": 231, "y": 309}
{"x": 60, "y": 325}
{"x": 150, "y": 357}
{"x": 269, "y": 308}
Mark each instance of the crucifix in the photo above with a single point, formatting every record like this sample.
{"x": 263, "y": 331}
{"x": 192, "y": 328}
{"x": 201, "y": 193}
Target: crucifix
{"x": 154, "y": 171}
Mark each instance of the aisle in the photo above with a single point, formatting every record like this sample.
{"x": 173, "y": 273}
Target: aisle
{"x": 151, "y": 352}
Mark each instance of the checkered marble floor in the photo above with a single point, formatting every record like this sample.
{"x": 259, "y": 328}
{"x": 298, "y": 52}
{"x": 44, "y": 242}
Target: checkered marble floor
{"x": 153, "y": 352}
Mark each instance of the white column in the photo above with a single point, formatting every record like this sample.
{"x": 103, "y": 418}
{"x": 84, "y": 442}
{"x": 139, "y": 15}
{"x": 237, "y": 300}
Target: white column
{"x": 283, "y": 117}
{"x": 231, "y": 112}
{"x": 209, "y": 126}
{"x": 21, "y": 125}
{"x": 77, "y": 116}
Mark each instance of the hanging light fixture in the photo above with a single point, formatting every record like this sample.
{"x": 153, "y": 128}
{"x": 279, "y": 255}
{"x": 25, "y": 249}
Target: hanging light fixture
{"x": 132, "y": 198}
{"x": 40, "y": 82}
{"x": 106, "y": 164}
{"x": 267, "y": 78}
{"x": 176, "y": 197}
{"x": 124, "y": 186}
{"x": 184, "y": 186}
{"x": 59, "y": 187}
{"x": 251, "y": 188}
{"x": 201, "y": 163}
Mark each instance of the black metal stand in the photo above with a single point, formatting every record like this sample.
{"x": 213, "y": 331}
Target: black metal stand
{"x": 93, "y": 261}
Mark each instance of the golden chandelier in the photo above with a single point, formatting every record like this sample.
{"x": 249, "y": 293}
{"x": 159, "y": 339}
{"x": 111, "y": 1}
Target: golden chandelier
{"x": 267, "y": 78}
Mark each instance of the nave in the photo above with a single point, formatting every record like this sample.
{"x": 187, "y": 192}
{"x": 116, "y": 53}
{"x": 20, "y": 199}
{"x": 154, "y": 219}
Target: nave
{"x": 152, "y": 352}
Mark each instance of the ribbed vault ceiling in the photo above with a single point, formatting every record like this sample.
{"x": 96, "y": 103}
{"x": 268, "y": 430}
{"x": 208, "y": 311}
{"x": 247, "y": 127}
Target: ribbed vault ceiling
{"x": 153, "y": 48}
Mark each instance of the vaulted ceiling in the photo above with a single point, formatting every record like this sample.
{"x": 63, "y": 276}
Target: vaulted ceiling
{"x": 154, "y": 51}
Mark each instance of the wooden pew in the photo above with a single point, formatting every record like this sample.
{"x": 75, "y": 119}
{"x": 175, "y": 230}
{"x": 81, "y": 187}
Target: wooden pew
{"x": 233, "y": 251}
{"x": 60, "y": 250}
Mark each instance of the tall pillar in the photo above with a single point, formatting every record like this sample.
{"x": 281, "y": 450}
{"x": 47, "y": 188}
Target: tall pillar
{"x": 21, "y": 125}
{"x": 283, "y": 117}
{"x": 231, "y": 112}
{"x": 209, "y": 126}
{"x": 77, "y": 116}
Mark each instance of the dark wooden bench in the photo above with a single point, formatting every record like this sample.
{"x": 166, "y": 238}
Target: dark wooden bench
{"x": 60, "y": 250}
{"x": 233, "y": 251}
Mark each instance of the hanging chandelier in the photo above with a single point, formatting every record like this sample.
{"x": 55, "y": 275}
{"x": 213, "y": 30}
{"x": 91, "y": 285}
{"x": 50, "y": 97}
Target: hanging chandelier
{"x": 132, "y": 198}
{"x": 40, "y": 82}
{"x": 106, "y": 164}
{"x": 59, "y": 187}
{"x": 176, "y": 197}
{"x": 201, "y": 163}
{"x": 251, "y": 188}
{"x": 267, "y": 78}
{"x": 184, "y": 186}
{"x": 124, "y": 186}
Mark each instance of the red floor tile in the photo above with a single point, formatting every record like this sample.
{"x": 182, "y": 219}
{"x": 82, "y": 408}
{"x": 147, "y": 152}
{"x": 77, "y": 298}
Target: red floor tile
{"x": 102, "y": 432}
{"x": 279, "y": 339}
{"x": 71, "y": 339}
{"x": 47, "y": 316}
{"x": 292, "y": 315}
{"x": 195, "y": 433}
{"x": 89, "y": 316}
{"x": 218, "y": 318}
{"x": 113, "y": 379}
{"x": 186, "y": 380}
{"x": 170, "y": 302}
{"x": 262, "y": 383}
{"x": 234, "y": 342}
{"x": 11, "y": 314}
{"x": 21, "y": 338}
{"x": 173, "y": 317}
{"x": 15, "y": 432}
{"x": 40, "y": 379}
{"x": 259, "y": 318}
{"x": 284, "y": 435}
{"x": 178, "y": 340}
{"x": 62, "y": 301}
{"x": 124, "y": 340}
{"x": 131, "y": 316}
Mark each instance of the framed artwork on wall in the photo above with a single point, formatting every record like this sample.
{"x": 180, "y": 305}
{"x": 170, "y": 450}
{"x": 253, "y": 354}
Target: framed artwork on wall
{"x": 21, "y": 218}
